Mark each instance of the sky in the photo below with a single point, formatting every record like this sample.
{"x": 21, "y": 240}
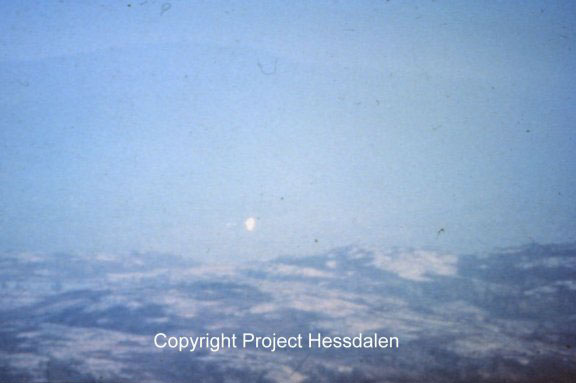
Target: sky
{"x": 235, "y": 130}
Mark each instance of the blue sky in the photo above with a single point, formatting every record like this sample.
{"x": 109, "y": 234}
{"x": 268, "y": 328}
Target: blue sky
{"x": 142, "y": 126}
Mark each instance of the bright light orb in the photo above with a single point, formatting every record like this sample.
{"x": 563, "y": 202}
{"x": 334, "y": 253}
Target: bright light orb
{"x": 250, "y": 223}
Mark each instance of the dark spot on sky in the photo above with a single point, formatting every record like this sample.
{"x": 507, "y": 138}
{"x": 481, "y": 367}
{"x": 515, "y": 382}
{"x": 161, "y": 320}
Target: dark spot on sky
{"x": 165, "y": 8}
{"x": 268, "y": 71}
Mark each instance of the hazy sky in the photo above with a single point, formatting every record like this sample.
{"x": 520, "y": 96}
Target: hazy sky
{"x": 154, "y": 125}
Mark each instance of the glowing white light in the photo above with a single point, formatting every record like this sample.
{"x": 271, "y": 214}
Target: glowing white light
{"x": 250, "y": 223}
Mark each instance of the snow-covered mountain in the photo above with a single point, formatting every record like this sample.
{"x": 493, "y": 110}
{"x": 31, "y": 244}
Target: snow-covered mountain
{"x": 508, "y": 316}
